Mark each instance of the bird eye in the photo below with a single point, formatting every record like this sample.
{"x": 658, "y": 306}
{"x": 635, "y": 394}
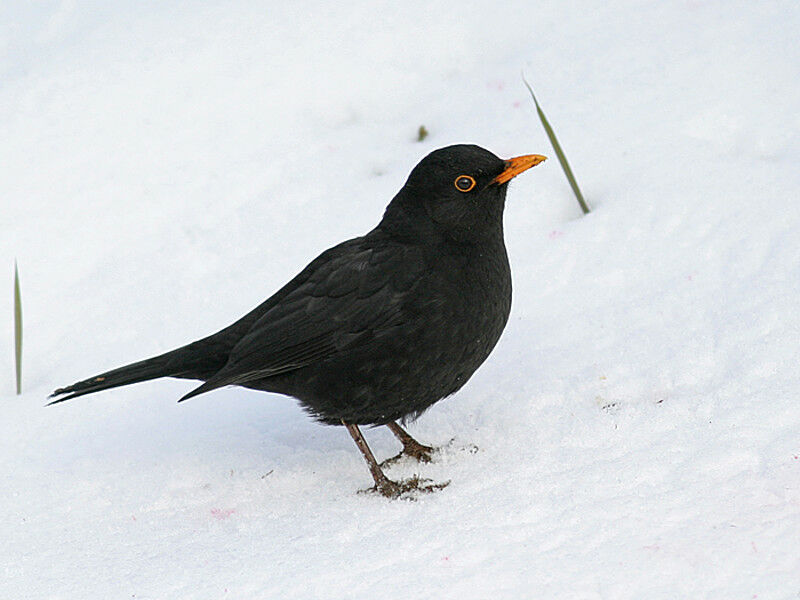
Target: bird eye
{"x": 464, "y": 183}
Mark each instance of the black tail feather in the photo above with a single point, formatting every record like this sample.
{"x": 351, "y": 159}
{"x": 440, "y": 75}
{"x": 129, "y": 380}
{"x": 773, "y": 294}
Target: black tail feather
{"x": 199, "y": 360}
{"x": 152, "y": 368}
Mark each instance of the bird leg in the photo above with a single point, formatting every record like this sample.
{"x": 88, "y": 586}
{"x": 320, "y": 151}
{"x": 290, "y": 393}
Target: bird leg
{"x": 383, "y": 484}
{"x": 411, "y": 447}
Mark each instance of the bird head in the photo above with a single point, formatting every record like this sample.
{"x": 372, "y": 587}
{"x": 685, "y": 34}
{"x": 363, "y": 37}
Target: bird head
{"x": 457, "y": 192}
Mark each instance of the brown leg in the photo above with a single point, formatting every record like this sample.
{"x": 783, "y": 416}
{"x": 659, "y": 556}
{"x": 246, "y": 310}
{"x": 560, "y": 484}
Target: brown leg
{"x": 383, "y": 484}
{"x": 411, "y": 447}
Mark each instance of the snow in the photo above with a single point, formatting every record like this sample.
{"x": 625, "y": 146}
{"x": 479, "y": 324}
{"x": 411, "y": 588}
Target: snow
{"x": 635, "y": 434}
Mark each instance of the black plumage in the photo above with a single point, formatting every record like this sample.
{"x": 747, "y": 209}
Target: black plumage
{"x": 380, "y": 327}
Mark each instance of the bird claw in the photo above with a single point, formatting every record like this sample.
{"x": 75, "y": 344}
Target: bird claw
{"x": 397, "y": 489}
{"x": 420, "y": 453}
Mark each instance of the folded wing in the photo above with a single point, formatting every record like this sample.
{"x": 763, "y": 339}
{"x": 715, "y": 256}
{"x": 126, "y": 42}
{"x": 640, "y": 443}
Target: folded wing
{"x": 348, "y": 296}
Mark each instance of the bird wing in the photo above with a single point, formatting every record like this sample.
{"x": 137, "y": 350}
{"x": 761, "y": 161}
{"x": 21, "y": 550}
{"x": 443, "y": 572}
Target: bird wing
{"x": 344, "y": 298}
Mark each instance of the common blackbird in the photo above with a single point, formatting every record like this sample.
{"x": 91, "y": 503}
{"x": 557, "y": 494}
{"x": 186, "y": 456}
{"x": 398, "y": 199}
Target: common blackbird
{"x": 380, "y": 327}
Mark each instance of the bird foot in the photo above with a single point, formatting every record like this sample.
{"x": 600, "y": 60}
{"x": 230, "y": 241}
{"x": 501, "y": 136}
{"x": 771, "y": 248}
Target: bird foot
{"x": 423, "y": 455}
{"x": 418, "y": 452}
{"x": 397, "y": 489}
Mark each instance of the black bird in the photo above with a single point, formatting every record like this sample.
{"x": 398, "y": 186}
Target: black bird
{"x": 380, "y": 327}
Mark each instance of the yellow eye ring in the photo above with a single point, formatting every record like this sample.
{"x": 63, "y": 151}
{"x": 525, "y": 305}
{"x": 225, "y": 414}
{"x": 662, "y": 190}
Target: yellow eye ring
{"x": 464, "y": 183}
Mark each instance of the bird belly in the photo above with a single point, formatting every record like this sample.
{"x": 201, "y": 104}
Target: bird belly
{"x": 404, "y": 369}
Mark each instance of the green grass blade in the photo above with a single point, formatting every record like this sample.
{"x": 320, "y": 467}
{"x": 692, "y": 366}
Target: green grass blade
{"x": 17, "y": 328}
{"x": 559, "y": 152}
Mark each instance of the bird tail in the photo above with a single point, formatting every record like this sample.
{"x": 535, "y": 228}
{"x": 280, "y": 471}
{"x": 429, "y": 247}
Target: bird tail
{"x": 144, "y": 370}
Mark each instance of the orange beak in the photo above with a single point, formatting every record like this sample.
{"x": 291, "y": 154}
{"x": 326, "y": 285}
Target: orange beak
{"x": 515, "y": 166}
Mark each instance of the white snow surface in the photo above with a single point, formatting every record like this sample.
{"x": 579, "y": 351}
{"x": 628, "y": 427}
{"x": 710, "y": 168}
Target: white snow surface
{"x": 164, "y": 167}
